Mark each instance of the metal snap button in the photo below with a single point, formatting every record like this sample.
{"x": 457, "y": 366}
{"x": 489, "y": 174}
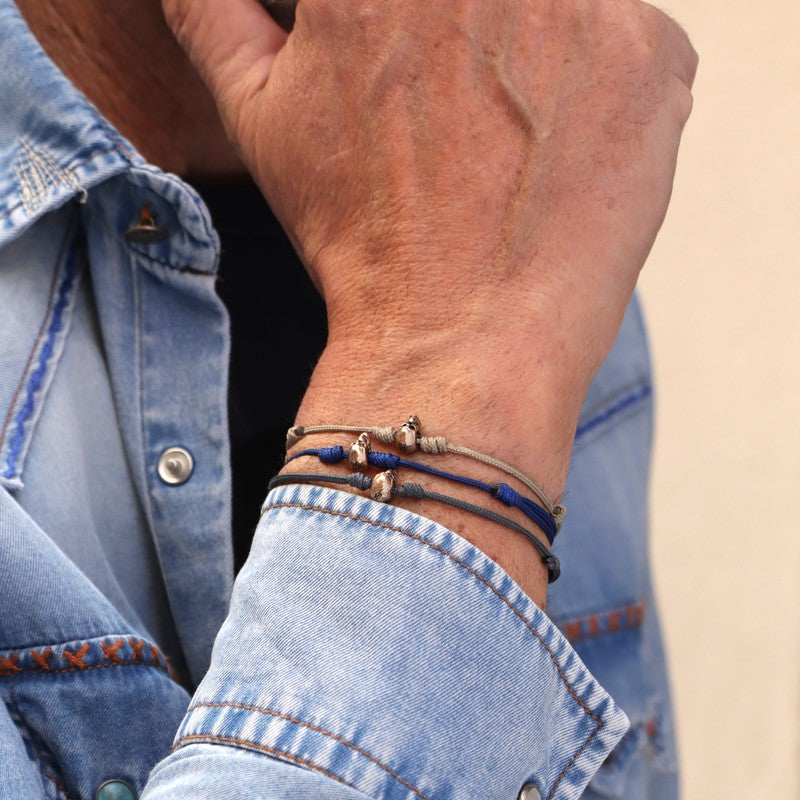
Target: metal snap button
{"x": 114, "y": 790}
{"x": 529, "y": 792}
{"x": 175, "y": 466}
{"x": 145, "y": 231}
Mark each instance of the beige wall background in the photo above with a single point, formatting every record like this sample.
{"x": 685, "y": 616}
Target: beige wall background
{"x": 722, "y": 293}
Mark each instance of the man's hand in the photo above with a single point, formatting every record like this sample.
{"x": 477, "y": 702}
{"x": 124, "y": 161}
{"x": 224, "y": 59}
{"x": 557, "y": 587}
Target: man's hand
{"x": 462, "y": 151}
{"x": 473, "y": 185}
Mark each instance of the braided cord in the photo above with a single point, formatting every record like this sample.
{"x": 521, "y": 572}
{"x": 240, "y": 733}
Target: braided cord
{"x": 435, "y": 445}
{"x": 413, "y": 491}
{"x": 500, "y": 491}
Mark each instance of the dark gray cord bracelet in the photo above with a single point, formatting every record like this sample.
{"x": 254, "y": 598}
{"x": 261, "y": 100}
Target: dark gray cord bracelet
{"x": 413, "y": 491}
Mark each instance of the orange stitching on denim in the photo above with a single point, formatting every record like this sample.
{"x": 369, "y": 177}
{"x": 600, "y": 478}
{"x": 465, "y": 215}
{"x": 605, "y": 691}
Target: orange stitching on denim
{"x": 598, "y": 722}
{"x": 616, "y": 620}
{"x": 76, "y": 658}
{"x": 41, "y": 658}
{"x": 111, "y": 651}
{"x": 10, "y": 665}
{"x": 231, "y": 740}
{"x": 46, "y": 660}
{"x": 613, "y": 621}
{"x": 635, "y": 614}
{"x": 572, "y": 630}
{"x": 570, "y": 763}
{"x": 137, "y": 649}
{"x": 316, "y": 728}
{"x": 61, "y": 788}
{"x": 472, "y": 572}
{"x": 166, "y": 665}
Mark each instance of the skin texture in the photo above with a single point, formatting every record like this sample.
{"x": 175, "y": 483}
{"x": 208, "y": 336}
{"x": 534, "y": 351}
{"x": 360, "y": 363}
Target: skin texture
{"x": 473, "y": 186}
{"x": 125, "y": 59}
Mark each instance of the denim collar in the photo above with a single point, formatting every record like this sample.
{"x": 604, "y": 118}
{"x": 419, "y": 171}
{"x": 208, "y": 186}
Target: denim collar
{"x": 54, "y": 144}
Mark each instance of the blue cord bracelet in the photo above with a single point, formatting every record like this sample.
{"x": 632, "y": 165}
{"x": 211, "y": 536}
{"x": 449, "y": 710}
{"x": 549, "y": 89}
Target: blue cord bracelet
{"x": 414, "y": 491}
{"x": 501, "y": 491}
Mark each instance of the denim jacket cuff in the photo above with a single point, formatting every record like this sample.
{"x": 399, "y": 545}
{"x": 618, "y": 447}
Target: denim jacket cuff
{"x": 378, "y": 648}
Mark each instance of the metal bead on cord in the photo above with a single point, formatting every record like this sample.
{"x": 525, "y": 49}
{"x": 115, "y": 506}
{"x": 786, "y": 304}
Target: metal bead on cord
{"x": 408, "y": 437}
{"x": 383, "y": 484}
{"x": 360, "y": 455}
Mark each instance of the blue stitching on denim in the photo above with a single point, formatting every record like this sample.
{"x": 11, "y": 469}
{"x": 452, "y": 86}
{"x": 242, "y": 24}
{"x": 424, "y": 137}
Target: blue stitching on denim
{"x": 37, "y": 377}
{"x": 617, "y": 408}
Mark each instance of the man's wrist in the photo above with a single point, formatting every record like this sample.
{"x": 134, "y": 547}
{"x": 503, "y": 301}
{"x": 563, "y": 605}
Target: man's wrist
{"x": 473, "y": 399}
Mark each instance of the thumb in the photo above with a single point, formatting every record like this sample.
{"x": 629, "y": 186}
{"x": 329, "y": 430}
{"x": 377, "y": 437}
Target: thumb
{"x": 232, "y": 44}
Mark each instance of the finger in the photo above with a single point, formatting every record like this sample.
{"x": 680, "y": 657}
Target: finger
{"x": 685, "y": 53}
{"x": 232, "y": 43}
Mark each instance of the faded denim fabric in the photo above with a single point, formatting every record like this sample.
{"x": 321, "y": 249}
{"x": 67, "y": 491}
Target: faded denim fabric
{"x": 365, "y": 651}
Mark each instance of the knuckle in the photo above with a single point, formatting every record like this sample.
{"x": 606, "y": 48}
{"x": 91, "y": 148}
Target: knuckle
{"x": 175, "y": 12}
{"x": 632, "y": 29}
{"x": 651, "y": 38}
{"x": 676, "y": 39}
{"x": 684, "y": 102}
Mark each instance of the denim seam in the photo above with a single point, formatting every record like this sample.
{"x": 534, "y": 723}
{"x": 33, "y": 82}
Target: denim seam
{"x": 37, "y": 342}
{"x": 590, "y": 626}
{"x": 19, "y": 720}
{"x": 209, "y": 737}
{"x": 138, "y": 317}
{"x": 176, "y": 267}
{"x": 610, "y": 397}
{"x": 55, "y": 782}
{"x": 80, "y": 164}
{"x": 569, "y": 763}
{"x": 466, "y": 567}
{"x": 36, "y": 379}
{"x": 317, "y": 729}
{"x": 28, "y": 670}
{"x": 598, "y": 722}
{"x": 119, "y": 142}
{"x": 182, "y": 187}
{"x": 61, "y": 286}
{"x": 10, "y": 664}
{"x": 624, "y": 402}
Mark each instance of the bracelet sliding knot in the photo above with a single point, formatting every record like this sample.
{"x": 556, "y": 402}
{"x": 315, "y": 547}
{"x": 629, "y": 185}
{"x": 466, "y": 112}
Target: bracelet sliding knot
{"x": 435, "y": 445}
{"x": 409, "y": 438}
{"x": 553, "y": 568}
{"x": 331, "y": 455}
{"x": 391, "y": 462}
{"x": 386, "y": 460}
{"x": 411, "y": 491}
{"x": 414, "y": 491}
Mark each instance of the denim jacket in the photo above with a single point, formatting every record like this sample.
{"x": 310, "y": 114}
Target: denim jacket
{"x": 364, "y": 651}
